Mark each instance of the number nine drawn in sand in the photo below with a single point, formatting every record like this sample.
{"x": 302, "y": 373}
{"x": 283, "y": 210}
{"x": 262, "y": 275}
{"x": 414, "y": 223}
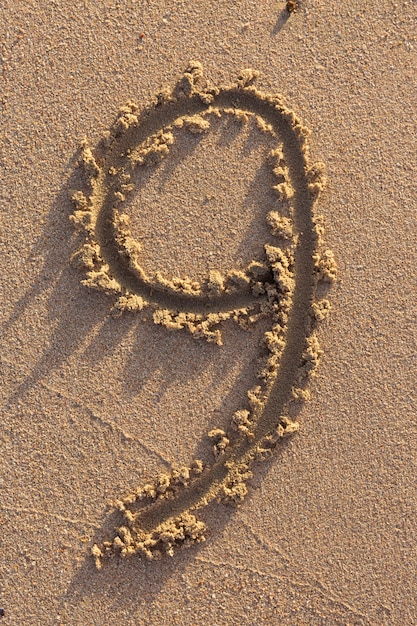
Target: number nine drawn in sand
{"x": 160, "y": 516}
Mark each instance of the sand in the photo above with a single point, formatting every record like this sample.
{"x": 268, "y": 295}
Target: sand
{"x": 109, "y": 395}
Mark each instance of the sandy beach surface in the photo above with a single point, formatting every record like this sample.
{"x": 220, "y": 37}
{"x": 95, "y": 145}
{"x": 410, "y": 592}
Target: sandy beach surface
{"x": 94, "y": 405}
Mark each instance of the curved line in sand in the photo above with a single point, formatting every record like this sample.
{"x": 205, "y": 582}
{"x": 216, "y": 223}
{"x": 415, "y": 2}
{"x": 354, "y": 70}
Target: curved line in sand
{"x": 160, "y": 516}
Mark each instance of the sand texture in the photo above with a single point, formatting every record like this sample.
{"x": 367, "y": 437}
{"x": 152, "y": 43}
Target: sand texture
{"x": 201, "y": 203}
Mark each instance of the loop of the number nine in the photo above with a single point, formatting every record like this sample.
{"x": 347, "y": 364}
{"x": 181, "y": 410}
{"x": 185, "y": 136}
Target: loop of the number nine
{"x": 162, "y": 515}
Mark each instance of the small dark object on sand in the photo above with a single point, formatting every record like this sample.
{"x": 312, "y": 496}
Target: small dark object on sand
{"x": 292, "y": 6}
{"x": 1, "y": 612}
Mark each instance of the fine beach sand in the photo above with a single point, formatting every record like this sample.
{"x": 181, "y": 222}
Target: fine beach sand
{"x": 97, "y": 402}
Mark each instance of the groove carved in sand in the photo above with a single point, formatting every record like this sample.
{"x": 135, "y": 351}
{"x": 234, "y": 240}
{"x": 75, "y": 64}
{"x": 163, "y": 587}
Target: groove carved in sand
{"x": 160, "y": 516}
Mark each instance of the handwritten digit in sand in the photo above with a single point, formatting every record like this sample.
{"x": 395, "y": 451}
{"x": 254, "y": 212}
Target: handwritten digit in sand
{"x": 162, "y": 515}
